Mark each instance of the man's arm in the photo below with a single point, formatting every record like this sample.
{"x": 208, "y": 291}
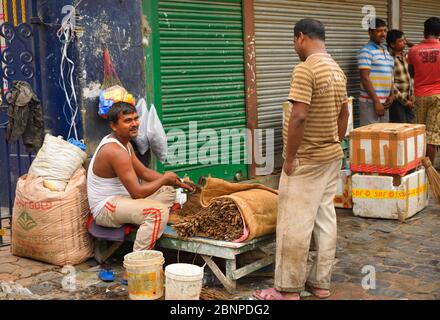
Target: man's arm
{"x": 391, "y": 97}
{"x": 149, "y": 175}
{"x": 368, "y": 86}
{"x": 411, "y": 70}
{"x": 295, "y": 131}
{"x": 142, "y": 171}
{"x": 410, "y": 60}
{"x": 343, "y": 121}
{"x": 122, "y": 165}
{"x": 300, "y": 96}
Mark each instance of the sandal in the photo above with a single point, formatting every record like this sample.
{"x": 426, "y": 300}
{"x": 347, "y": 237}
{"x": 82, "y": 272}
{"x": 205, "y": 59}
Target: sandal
{"x": 320, "y": 293}
{"x": 274, "y": 294}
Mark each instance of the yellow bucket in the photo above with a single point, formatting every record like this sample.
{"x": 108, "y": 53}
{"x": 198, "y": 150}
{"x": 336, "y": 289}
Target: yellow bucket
{"x": 144, "y": 274}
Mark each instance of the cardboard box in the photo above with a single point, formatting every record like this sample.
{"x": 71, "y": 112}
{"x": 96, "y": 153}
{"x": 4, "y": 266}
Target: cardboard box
{"x": 389, "y": 148}
{"x": 343, "y": 197}
{"x": 350, "y": 117}
{"x": 375, "y": 196}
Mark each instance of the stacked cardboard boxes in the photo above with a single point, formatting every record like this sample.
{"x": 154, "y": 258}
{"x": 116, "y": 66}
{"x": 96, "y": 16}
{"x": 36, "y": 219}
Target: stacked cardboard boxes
{"x": 388, "y": 181}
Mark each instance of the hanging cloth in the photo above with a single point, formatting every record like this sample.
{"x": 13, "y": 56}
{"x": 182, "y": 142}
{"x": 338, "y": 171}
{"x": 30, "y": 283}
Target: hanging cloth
{"x": 25, "y": 116}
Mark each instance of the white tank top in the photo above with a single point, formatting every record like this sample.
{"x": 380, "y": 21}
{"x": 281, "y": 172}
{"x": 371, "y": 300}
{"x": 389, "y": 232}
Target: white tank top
{"x": 100, "y": 190}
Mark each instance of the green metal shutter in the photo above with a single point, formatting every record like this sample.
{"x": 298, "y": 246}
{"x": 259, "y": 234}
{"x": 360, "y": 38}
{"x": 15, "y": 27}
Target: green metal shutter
{"x": 414, "y": 14}
{"x": 202, "y": 76}
{"x": 276, "y": 57}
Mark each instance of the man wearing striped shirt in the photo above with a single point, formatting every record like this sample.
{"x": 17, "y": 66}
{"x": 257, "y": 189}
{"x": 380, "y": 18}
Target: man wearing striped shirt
{"x": 376, "y": 68}
{"x": 314, "y": 125}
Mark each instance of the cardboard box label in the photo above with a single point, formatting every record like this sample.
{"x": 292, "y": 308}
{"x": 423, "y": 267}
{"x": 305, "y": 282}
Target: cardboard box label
{"x": 388, "y": 194}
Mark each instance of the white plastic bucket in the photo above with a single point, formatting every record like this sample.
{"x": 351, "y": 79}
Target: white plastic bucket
{"x": 183, "y": 281}
{"x": 144, "y": 274}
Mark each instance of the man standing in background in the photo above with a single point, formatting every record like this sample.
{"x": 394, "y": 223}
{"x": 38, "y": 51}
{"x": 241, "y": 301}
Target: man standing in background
{"x": 424, "y": 67}
{"x": 401, "y": 110}
{"x": 375, "y": 66}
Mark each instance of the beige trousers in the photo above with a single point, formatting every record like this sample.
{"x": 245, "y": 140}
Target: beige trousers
{"x": 150, "y": 214}
{"x": 305, "y": 208}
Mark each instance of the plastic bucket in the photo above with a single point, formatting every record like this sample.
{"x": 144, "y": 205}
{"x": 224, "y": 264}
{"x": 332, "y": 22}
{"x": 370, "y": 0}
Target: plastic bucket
{"x": 183, "y": 281}
{"x": 144, "y": 274}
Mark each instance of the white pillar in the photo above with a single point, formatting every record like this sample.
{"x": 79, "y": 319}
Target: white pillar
{"x": 394, "y": 14}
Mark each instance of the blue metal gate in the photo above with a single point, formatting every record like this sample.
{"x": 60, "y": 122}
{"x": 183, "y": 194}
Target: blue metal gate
{"x": 17, "y": 60}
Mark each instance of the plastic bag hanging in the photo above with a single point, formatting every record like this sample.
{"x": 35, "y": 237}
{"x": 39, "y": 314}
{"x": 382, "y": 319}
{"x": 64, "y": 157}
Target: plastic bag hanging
{"x": 111, "y": 89}
{"x": 142, "y": 138}
{"x": 110, "y": 76}
{"x": 156, "y": 135}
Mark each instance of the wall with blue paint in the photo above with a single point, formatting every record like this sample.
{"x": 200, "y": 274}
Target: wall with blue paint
{"x": 115, "y": 24}
{"x": 48, "y": 54}
{"x": 112, "y": 24}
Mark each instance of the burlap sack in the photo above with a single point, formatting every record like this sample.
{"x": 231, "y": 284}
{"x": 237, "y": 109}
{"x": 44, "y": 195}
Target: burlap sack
{"x": 257, "y": 203}
{"x": 51, "y": 226}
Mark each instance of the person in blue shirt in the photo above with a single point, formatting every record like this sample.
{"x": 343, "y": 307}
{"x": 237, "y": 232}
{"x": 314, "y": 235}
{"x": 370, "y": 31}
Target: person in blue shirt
{"x": 376, "y": 69}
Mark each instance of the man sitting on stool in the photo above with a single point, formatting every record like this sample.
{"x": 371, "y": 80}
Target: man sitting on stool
{"x": 116, "y": 195}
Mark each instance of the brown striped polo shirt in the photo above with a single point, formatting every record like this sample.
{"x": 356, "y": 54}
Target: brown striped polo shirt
{"x": 320, "y": 83}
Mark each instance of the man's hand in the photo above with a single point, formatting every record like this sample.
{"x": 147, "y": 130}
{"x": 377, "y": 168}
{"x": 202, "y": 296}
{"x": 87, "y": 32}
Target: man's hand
{"x": 182, "y": 184}
{"x": 289, "y": 166}
{"x": 388, "y": 101}
{"x": 380, "y": 110}
{"x": 170, "y": 178}
{"x": 410, "y": 104}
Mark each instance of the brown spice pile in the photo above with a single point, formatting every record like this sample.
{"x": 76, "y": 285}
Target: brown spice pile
{"x": 191, "y": 207}
{"x": 220, "y": 221}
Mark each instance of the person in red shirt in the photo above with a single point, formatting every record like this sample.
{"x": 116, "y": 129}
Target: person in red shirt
{"x": 424, "y": 67}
